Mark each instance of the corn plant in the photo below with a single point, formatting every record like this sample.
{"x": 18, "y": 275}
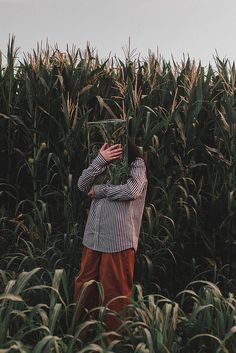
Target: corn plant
{"x": 183, "y": 115}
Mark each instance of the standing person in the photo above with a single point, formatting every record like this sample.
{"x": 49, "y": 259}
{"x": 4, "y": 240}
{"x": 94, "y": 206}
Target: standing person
{"x": 112, "y": 230}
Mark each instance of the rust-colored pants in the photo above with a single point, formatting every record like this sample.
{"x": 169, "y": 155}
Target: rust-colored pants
{"x": 115, "y": 272}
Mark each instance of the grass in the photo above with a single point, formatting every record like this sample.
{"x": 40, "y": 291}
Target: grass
{"x": 40, "y": 317}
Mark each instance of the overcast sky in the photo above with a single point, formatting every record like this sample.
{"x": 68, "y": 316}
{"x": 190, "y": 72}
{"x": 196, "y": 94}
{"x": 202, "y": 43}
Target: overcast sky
{"x": 194, "y": 27}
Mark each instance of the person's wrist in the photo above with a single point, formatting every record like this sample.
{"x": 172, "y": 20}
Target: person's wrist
{"x": 99, "y": 191}
{"x": 100, "y": 159}
{"x": 103, "y": 157}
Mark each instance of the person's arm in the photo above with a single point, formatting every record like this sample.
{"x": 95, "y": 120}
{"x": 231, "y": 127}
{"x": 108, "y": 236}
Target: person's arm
{"x": 129, "y": 191}
{"x": 106, "y": 155}
{"x": 86, "y": 180}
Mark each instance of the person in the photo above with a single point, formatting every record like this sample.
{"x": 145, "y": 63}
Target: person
{"x": 112, "y": 231}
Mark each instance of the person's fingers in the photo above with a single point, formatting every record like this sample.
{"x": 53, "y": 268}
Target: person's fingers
{"x": 113, "y": 147}
{"x": 115, "y": 151}
{"x": 118, "y": 149}
{"x": 104, "y": 147}
{"x": 116, "y": 155}
{"x": 91, "y": 192}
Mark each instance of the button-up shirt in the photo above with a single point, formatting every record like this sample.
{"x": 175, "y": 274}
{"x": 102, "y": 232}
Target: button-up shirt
{"x": 116, "y": 211}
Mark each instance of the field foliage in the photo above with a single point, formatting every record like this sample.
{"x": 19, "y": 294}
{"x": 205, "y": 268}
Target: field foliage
{"x": 183, "y": 115}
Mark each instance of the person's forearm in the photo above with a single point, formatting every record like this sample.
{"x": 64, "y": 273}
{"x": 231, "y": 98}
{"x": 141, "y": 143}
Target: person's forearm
{"x": 89, "y": 175}
{"x": 129, "y": 191}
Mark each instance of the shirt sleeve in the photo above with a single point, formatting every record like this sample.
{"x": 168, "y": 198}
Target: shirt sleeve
{"x": 97, "y": 167}
{"x": 129, "y": 191}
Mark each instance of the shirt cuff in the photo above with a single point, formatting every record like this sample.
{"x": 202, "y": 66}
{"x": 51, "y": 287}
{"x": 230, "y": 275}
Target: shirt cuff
{"x": 99, "y": 161}
{"x": 99, "y": 191}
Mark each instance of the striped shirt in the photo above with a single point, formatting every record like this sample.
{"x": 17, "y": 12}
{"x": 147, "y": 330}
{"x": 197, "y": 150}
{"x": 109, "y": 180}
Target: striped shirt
{"x": 116, "y": 211}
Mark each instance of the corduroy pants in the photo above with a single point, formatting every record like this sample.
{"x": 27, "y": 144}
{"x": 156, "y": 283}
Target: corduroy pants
{"x": 115, "y": 272}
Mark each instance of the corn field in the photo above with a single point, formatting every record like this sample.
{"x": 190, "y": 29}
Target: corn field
{"x": 184, "y": 117}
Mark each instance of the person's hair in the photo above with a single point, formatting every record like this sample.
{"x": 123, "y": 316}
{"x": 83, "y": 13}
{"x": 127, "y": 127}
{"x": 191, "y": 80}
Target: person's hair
{"x": 133, "y": 151}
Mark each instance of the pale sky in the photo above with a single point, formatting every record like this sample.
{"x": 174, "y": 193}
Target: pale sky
{"x": 177, "y": 27}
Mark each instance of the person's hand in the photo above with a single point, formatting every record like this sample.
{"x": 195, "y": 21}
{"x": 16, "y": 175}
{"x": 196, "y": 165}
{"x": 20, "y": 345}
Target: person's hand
{"x": 111, "y": 153}
{"x": 91, "y": 192}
